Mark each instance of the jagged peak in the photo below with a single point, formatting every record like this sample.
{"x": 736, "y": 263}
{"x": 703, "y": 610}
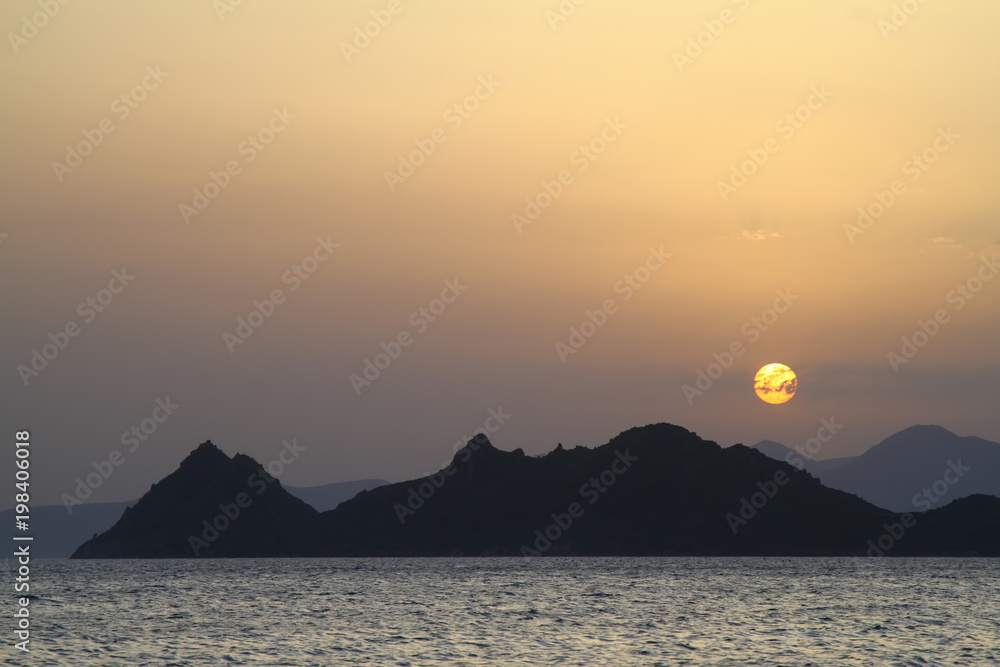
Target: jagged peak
{"x": 245, "y": 459}
{"x": 480, "y": 447}
{"x": 206, "y": 452}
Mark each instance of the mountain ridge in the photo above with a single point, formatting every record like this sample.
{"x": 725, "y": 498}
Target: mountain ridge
{"x": 657, "y": 489}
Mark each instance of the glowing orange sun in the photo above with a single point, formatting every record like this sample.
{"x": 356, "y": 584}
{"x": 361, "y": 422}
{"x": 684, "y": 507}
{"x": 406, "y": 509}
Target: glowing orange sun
{"x": 775, "y": 384}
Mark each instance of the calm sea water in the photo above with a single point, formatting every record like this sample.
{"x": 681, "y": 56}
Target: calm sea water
{"x": 593, "y": 611}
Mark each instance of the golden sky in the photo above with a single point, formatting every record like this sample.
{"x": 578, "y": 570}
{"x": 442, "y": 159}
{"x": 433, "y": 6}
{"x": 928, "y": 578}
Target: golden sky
{"x": 632, "y": 113}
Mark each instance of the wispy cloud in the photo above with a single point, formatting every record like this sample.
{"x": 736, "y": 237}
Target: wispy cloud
{"x": 759, "y": 235}
{"x": 946, "y": 242}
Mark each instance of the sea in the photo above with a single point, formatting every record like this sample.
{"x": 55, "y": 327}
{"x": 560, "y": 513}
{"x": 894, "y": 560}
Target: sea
{"x": 512, "y": 611}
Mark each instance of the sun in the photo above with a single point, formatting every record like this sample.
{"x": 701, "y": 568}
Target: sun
{"x": 775, "y": 384}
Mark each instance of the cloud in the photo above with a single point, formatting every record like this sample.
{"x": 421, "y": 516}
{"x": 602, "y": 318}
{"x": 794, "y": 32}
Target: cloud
{"x": 759, "y": 235}
{"x": 945, "y": 242}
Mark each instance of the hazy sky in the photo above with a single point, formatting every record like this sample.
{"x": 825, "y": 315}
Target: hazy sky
{"x": 619, "y": 123}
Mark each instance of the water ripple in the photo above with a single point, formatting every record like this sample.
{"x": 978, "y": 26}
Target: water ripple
{"x": 593, "y": 612}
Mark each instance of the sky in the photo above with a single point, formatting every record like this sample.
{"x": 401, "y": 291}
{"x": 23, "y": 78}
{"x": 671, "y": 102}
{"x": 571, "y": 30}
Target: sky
{"x": 542, "y": 219}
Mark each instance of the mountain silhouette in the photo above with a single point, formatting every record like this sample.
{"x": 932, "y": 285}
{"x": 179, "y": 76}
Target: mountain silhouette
{"x": 212, "y": 505}
{"x": 895, "y": 473}
{"x": 653, "y": 490}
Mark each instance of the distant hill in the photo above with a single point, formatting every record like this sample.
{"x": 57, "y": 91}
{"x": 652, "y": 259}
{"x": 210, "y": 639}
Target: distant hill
{"x": 58, "y": 533}
{"x": 950, "y": 530}
{"x": 654, "y": 490}
{"x": 779, "y": 452}
{"x": 894, "y": 473}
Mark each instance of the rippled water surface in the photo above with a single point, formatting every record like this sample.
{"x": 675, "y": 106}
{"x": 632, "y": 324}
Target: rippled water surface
{"x": 593, "y": 611}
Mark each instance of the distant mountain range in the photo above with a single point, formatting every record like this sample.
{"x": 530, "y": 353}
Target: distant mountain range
{"x": 654, "y": 490}
{"x": 58, "y": 533}
{"x": 920, "y": 468}
{"x": 779, "y": 452}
